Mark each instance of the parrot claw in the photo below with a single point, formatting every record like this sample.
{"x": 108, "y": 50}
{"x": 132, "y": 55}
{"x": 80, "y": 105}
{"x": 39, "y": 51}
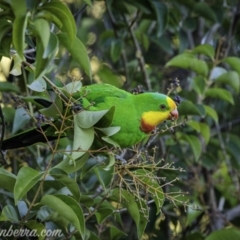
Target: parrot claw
{"x": 138, "y": 90}
{"x": 77, "y": 108}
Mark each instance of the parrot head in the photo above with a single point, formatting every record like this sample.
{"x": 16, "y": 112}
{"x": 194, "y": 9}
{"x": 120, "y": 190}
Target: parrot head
{"x": 162, "y": 108}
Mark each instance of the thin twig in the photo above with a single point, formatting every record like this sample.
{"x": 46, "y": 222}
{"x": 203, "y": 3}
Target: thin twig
{"x": 139, "y": 55}
{"x": 61, "y": 95}
{"x": 80, "y": 10}
{"x": 226, "y": 126}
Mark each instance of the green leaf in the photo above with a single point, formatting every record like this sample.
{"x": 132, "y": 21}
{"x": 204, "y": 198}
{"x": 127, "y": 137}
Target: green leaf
{"x": 216, "y": 72}
{"x": 226, "y": 233}
{"x": 16, "y": 70}
{"x": 144, "y": 215}
{"x": 55, "y": 110}
{"x": 190, "y": 62}
{"x": 220, "y": 93}
{"x": 72, "y": 87}
{"x": 148, "y": 180}
{"x": 106, "y": 75}
{"x": 77, "y": 51}
{"x": 9, "y": 214}
{"x": 19, "y": 7}
{"x": 38, "y": 227}
{"x": 202, "y": 128}
{"x": 116, "y": 50}
{"x": 92, "y": 236}
{"x": 5, "y": 46}
{"x": 211, "y": 113}
{"x": 132, "y": 5}
{"x": 188, "y": 108}
{"x": 21, "y": 118}
{"x": 115, "y": 233}
{"x": 38, "y": 85}
{"x": 232, "y": 144}
{"x": 26, "y": 179}
{"x": 44, "y": 56}
{"x": 224, "y": 182}
{"x": 92, "y": 163}
{"x": 204, "y": 10}
{"x": 199, "y": 84}
{"x": 205, "y": 131}
{"x": 87, "y": 201}
{"x": 109, "y": 163}
{"x": 62, "y": 12}
{"x": 68, "y": 208}
{"x": 52, "y": 47}
{"x": 69, "y": 183}
{"x": 50, "y": 18}
{"x": 209, "y": 160}
{"x": 143, "y": 39}
{"x": 205, "y": 49}
{"x": 19, "y": 28}
{"x": 231, "y": 78}
{"x": 194, "y": 125}
{"x": 234, "y": 63}
{"x": 102, "y": 213}
{"x": 87, "y": 119}
{"x": 19, "y": 25}
{"x": 42, "y": 28}
{"x": 161, "y": 12}
{"x": 72, "y": 166}
{"x": 201, "y": 109}
{"x": 128, "y": 201}
{"x": 109, "y": 131}
{"x": 7, "y": 180}
{"x": 5, "y": 27}
{"x": 110, "y": 141}
{"x": 83, "y": 139}
{"x": 194, "y": 143}
{"x": 8, "y": 87}
{"x": 104, "y": 177}
{"x": 22, "y": 208}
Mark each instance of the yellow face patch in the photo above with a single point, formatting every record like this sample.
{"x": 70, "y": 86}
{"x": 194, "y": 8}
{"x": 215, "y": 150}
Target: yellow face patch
{"x": 153, "y": 118}
{"x": 171, "y": 104}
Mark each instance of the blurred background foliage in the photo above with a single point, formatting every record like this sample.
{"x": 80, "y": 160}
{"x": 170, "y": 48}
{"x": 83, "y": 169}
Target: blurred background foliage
{"x": 129, "y": 43}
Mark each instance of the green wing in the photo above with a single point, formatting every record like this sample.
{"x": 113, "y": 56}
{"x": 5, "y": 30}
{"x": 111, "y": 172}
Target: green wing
{"x": 103, "y": 95}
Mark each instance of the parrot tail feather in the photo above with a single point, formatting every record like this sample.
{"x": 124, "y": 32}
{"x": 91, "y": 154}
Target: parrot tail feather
{"x": 27, "y": 138}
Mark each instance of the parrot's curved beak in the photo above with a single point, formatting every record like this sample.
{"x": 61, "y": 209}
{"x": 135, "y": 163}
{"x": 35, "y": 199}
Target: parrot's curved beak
{"x": 173, "y": 115}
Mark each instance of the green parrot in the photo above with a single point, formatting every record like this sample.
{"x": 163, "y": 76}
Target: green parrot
{"x": 137, "y": 115}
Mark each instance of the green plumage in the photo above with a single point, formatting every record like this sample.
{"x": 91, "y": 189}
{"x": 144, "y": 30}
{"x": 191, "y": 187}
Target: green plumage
{"x": 129, "y": 109}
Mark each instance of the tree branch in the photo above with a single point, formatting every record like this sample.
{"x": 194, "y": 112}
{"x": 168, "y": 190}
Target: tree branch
{"x": 139, "y": 55}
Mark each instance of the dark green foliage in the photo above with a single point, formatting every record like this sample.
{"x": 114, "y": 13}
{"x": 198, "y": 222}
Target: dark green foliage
{"x": 184, "y": 182}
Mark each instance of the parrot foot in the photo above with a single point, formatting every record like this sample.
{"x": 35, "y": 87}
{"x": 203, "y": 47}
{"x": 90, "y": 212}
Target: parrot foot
{"x": 77, "y": 108}
{"x": 138, "y": 90}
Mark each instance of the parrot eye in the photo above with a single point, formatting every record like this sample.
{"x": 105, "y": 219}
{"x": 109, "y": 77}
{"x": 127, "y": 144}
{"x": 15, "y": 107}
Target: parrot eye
{"x": 162, "y": 106}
